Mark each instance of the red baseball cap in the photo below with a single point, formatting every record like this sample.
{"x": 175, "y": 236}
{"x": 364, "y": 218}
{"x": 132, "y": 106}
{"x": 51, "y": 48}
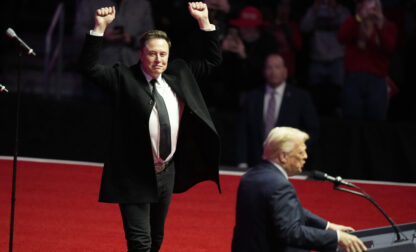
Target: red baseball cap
{"x": 249, "y": 17}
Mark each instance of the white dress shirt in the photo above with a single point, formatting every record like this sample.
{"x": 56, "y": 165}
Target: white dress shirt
{"x": 175, "y": 109}
{"x": 278, "y": 94}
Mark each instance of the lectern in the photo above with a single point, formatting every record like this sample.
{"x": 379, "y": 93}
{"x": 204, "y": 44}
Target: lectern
{"x": 384, "y": 239}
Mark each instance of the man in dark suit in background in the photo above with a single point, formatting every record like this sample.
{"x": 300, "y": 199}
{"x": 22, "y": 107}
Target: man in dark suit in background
{"x": 162, "y": 138}
{"x": 276, "y": 104}
{"x": 269, "y": 215}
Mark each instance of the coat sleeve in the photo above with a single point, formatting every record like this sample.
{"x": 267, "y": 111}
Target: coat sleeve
{"x": 313, "y": 220}
{"x": 288, "y": 222}
{"x": 210, "y": 56}
{"x": 104, "y": 77}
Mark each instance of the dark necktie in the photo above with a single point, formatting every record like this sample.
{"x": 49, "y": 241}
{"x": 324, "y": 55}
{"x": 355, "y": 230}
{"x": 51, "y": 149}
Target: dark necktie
{"x": 164, "y": 143}
{"x": 270, "y": 114}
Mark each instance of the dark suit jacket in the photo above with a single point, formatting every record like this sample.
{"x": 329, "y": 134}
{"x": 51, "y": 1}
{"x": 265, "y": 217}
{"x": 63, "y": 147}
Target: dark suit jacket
{"x": 269, "y": 216}
{"x": 129, "y": 175}
{"x": 297, "y": 110}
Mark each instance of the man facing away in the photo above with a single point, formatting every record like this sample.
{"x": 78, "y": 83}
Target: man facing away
{"x": 269, "y": 215}
{"x": 162, "y": 138}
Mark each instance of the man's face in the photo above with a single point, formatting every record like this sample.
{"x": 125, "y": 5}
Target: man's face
{"x": 275, "y": 71}
{"x": 296, "y": 159}
{"x": 154, "y": 57}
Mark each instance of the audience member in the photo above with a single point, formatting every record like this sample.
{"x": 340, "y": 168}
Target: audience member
{"x": 326, "y": 69}
{"x": 275, "y": 104}
{"x": 245, "y": 49}
{"x": 369, "y": 39}
{"x": 269, "y": 215}
{"x": 121, "y": 39}
{"x": 288, "y": 36}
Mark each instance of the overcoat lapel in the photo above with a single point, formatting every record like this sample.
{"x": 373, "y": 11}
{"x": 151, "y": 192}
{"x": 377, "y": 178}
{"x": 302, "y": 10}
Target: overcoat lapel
{"x": 137, "y": 72}
{"x": 174, "y": 84}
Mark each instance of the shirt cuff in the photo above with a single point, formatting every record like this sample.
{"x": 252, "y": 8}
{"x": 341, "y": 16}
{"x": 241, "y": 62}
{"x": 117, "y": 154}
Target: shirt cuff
{"x": 212, "y": 28}
{"x": 327, "y": 225}
{"x": 97, "y": 34}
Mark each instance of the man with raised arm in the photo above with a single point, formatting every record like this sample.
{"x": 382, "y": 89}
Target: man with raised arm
{"x": 162, "y": 138}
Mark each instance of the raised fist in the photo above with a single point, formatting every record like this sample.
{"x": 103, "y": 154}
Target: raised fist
{"x": 198, "y": 10}
{"x": 103, "y": 17}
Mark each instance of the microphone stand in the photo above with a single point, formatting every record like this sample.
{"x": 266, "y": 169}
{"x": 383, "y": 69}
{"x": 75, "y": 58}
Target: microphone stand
{"x": 363, "y": 194}
{"x": 16, "y": 149}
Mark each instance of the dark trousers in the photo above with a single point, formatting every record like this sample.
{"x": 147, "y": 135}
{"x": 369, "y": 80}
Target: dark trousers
{"x": 144, "y": 223}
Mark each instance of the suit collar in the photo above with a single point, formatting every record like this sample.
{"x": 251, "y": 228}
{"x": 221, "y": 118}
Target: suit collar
{"x": 274, "y": 167}
{"x": 280, "y": 89}
{"x": 148, "y": 77}
{"x": 280, "y": 169}
{"x": 170, "y": 79}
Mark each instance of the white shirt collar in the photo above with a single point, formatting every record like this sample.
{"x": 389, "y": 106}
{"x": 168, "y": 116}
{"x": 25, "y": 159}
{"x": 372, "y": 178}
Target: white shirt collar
{"x": 280, "y": 89}
{"x": 280, "y": 169}
{"x": 149, "y": 78}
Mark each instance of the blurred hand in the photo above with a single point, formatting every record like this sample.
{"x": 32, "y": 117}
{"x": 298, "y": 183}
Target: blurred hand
{"x": 103, "y": 17}
{"x": 234, "y": 44}
{"x": 377, "y": 15}
{"x": 336, "y": 227}
{"x": 363, "y": 10}
{"x": 350, "y": 242}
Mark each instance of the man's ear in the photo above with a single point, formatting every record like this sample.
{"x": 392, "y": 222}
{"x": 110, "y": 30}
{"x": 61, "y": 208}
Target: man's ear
{"x": 282, "y": 157}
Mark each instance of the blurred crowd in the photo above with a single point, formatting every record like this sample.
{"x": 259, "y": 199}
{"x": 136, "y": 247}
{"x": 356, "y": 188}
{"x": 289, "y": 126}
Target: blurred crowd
{"x": 340, "y": 52}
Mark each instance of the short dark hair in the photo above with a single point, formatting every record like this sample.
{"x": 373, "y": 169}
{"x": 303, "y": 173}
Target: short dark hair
{"x": 153, "y": 34}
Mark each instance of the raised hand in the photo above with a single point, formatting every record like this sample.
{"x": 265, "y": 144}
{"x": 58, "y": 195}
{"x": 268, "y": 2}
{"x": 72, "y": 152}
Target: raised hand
{"x": 199, "y": 11}
{"x": 103, "y": 17}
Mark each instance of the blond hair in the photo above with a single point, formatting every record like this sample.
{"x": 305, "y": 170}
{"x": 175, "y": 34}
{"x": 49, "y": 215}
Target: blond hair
{"x": 282, "y": 139}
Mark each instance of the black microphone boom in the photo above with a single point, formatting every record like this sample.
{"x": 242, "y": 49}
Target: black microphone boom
{"x": 318, "y": 175}
{"x": 10, "y": 32}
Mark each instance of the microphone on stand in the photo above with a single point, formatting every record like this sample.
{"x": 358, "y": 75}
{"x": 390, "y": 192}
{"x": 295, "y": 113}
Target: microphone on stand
{"x": 10, "y": 32}
{"x": 3, "y": 89}
{"x": 318, "y": 175}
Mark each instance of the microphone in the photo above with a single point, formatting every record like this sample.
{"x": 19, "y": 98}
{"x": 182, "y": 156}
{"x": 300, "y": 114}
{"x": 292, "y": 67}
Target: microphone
{"x": 3, "y": 88}
{"x": 318, "y": 175}
{"x": 10, "y": 32}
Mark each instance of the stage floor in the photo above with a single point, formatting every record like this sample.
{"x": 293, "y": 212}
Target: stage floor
{"x": 57, "y": 209}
